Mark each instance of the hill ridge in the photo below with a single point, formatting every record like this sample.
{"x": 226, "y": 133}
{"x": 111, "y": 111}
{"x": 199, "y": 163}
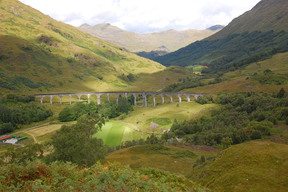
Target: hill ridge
{"x": 252, "y": 37}
{"x": 134, "y": 42}
{"x": 39, "y": 54}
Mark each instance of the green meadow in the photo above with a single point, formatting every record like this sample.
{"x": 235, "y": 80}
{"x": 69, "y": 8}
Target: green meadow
{"x": 113, "y": 133}
{"x": 160, "y": 118}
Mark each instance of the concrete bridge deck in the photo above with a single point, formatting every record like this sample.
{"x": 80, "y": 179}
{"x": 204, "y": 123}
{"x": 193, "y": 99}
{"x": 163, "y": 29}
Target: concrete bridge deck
{"x": 120, "y": 93}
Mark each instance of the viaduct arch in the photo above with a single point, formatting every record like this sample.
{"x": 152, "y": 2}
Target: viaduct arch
{"x": 125, "y": 94}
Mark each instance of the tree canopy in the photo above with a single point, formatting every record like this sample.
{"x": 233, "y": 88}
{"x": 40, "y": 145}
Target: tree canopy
{"x": 75, "y": 143}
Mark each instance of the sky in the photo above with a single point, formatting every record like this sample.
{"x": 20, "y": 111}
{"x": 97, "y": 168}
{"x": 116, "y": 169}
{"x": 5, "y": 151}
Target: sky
{"x": 144, "y": 16}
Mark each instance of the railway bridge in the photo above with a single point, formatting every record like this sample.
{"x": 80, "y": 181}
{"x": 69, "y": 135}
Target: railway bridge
{"x": 124, "y": 93}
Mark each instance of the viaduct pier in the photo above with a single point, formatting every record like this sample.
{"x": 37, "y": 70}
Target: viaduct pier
{"x": 125, "y": 94}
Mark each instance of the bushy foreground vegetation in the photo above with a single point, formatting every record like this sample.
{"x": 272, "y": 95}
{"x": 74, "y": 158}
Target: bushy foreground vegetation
{"x": 60, "y": 176}
{"x": 18, "y": 110}
{"x": 29, "y": 169}
{"x": 242, "y": 117}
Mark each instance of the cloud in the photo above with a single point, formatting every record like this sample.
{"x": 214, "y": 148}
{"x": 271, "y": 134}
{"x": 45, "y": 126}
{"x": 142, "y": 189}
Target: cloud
{"x": 144, "y": 15}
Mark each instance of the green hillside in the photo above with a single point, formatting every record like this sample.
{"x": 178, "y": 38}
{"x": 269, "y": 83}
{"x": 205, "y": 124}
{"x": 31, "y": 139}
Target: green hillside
{"x": 251, "y": 78}
{"x": 38, "y": 54}
{"x": 254, "y": 36}
{"x": 177, "y": 160}
{"x": 251, "y": 166}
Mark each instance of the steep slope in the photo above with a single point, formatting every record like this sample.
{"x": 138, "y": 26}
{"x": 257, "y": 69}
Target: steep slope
{"x": 38, "y": 53}
{"x": 171, "y": 39}
{"x": 256, "y": 35}
{"x": 265, "y": 16}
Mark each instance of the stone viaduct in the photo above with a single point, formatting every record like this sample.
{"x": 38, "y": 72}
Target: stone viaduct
{"x": 117, "y": 94}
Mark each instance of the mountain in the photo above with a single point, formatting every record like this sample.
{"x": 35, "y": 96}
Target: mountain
{"x": 171, "y": 39}
{"x": 160, "y": 51}
{"x": 38, "y": 54}
{"x": 216, "y": 27}
{"x": 254, "y": 36}
{"x": 267, "y": 15}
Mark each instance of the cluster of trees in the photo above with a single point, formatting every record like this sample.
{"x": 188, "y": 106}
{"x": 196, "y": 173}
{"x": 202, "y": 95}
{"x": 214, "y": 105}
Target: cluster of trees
{"x": 75, "y": 143}
{"x": 241, "y": 117}
{"x": 69, "y": 144}
{"x": 16, "y": 110}
{"x": 152, "y": 139}
{"x": 268, "y": 77}
{"x": 192, "y": 82}
{"x": 129, "y": 78}
{"x": 184, "y": 83}
{"x": 108, "y": 110}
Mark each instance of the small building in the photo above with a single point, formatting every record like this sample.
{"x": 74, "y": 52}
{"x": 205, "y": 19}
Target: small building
{"x": 4, "y": 138}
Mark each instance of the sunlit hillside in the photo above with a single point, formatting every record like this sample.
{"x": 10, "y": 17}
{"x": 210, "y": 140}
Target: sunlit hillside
{"x": 39, "y": 54}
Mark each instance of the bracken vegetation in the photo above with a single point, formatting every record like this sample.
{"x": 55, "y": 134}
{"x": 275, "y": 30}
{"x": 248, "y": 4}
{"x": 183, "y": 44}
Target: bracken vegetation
{"x": 60, "y": 176}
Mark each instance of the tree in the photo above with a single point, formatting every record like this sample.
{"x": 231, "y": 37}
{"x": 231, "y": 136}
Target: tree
{"x": 281, "y": 93}
{"x": 124, "y": 106}
{"x": 152, "y": 140}
{"x": 66, "y": 115}
{"x": 255, "y": 135}
{"x": 268, "y": 71}
{"x": 75, "y": 143}
{"x": 226, "y": 142}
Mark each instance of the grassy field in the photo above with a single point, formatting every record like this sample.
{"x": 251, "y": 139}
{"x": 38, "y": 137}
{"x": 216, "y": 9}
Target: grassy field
{"x": 40, "y": 134}
{"x": 174, "y": 159}
{"x": 113, "y": 133}
{"x": 164, "y": 115}
{"x": 195, "y": 68}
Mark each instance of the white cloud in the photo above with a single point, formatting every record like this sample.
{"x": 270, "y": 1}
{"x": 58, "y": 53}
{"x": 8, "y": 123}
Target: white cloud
{"x": 144, "y": 15}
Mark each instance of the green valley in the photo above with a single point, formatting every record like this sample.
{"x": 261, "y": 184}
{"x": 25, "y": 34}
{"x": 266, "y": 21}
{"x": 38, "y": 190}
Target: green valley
{"x": 78, "y": 113}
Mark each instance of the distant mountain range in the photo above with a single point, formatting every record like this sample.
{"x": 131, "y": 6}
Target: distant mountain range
{"x": 39, "y": 54}
{"x": 150, "y": 44}
{"x": 256, "y": 35}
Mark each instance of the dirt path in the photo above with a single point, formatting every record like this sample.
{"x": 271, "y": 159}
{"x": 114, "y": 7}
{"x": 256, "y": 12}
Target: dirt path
{"x": 32, "y": 128}
{"x": 24, "y": 130}
{"x": 34, "y": 138}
